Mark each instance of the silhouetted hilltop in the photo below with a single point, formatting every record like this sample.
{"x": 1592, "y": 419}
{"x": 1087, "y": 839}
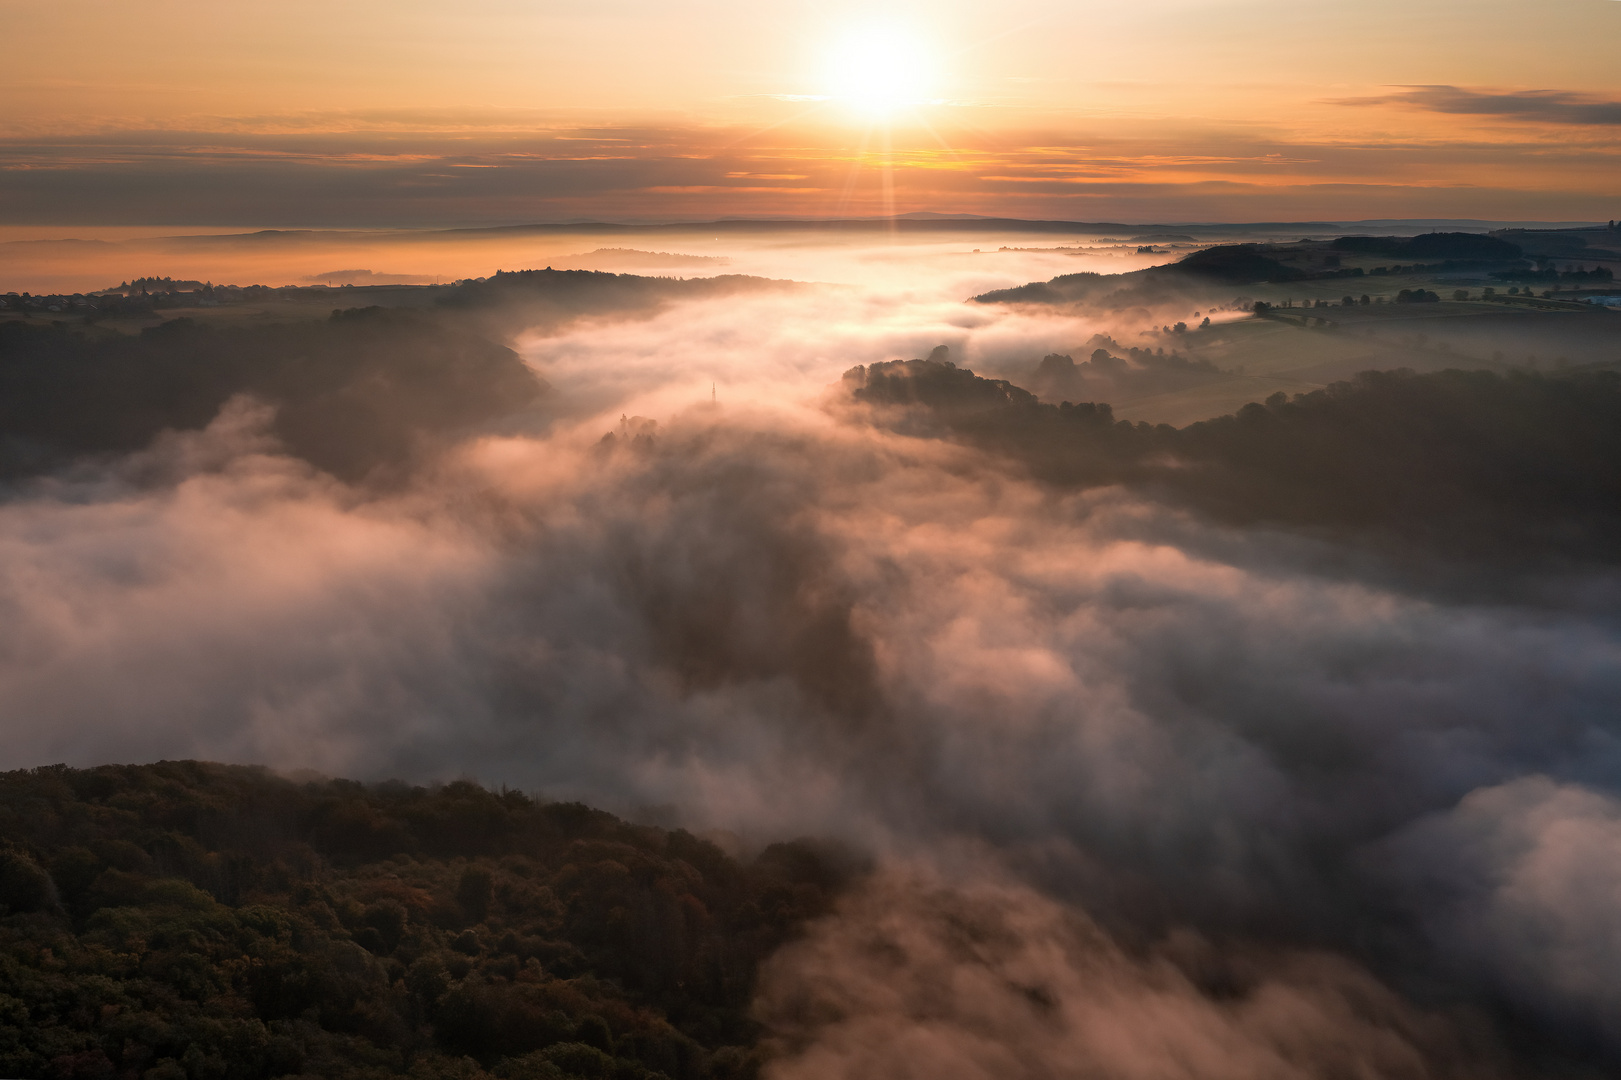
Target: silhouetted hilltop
{"x": 1238, "y": 264}
{"x": 188, "y": 919}
{"x": 1258, "y": 263}
{"x": 508, "y": 302}
{"x": 1438, "y": 245}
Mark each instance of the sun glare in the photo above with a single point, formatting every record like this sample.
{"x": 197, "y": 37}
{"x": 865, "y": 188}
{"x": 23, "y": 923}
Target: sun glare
{"x": 878, "y": 70}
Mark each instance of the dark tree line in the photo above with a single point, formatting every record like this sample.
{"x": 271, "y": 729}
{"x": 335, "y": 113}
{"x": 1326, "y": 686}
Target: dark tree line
{"x": 1437, "y": 245}
{"x": 1459, "y": 463}
{"x": 216, "y": 922}
{"x": 355, "y": 393}
{"x": 509, "y": 302}
{"x": 1599, "y": 275}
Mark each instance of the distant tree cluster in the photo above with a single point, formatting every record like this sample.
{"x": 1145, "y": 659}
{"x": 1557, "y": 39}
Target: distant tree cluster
{"x": 1113, "y": 370}
{"x": 206, "y": 922}
{"x": 159, "y": 285}
{"x": 1598, "y": 275}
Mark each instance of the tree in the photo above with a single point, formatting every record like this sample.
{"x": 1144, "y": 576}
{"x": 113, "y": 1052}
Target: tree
{"x": 475, "y": 891}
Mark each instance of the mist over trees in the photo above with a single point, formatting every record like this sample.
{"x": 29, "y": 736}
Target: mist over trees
{"x": 359, "y": 394}
{"x": 356, "y": 393}
{"x": 1462, "y": 463}
{"x": 1111, "y": 372}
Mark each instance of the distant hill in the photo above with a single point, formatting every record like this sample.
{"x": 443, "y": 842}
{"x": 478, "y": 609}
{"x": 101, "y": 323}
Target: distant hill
{"x": 366, "y": 277}
{"x": 1437, "y": 245}
{"x": 1256, "y": 263}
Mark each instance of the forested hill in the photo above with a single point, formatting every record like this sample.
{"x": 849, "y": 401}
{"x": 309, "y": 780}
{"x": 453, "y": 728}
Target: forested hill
{"x": 366, "y": 394}
{"x": 217, "y": 922}
{"x": 1460, "y": 464}
{"x": 359, "y": 393}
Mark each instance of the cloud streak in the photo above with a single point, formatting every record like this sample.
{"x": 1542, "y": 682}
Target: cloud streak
{"x": 260, "y": 172}
{"x": 1543, "y": 106}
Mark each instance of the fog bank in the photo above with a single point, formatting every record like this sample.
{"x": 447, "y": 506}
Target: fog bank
{"x": 1152, "y": 795}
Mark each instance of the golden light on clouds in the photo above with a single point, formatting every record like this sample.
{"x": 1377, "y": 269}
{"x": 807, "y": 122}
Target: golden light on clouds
{"x": 378, "y": 113}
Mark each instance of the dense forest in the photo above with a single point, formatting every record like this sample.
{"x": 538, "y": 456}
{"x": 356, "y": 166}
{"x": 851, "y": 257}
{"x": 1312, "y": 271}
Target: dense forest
{"x": 211, "y": 922}
{"x": 1464, "y": 464}
{"x": 355, "y": 393}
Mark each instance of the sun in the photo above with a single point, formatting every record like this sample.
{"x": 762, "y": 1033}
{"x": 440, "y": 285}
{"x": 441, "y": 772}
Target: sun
{"x": 878, "y": 70}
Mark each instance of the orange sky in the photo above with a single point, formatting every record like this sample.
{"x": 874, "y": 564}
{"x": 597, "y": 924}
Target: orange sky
{"x": 403, "y": 112}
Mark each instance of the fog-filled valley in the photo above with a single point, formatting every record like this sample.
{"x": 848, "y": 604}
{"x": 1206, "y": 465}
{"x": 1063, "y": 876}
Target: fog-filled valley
{"x": 1006, "y": 653}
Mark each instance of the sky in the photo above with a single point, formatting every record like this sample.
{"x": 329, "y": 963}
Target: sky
{"x": 404, "y": 113}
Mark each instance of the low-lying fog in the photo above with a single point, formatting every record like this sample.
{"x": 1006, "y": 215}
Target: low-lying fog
{"x": 69, "y": 260}
{"x": 1152, "y": 795}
